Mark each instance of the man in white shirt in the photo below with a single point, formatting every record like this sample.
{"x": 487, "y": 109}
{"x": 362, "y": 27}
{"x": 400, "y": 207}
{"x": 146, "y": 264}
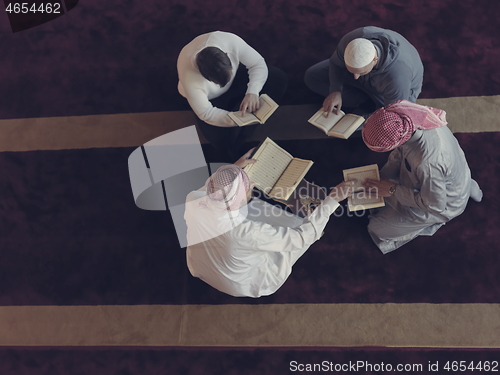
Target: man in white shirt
{"x": 239, "y": 256}
{"x": 220, "y": 73}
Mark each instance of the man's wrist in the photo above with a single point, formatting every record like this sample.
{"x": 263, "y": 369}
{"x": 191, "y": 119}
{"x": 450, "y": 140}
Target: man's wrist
{"x": 252, "y": 93}
{"x": 331, "y": 203}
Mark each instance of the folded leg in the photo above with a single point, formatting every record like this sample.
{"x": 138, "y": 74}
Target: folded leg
{"x": 390, "y": 230}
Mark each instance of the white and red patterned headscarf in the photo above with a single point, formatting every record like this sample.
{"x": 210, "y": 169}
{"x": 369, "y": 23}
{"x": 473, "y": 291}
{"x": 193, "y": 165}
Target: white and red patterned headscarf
{"x": 391, "y": 126}
{"x": 226, "y": 188}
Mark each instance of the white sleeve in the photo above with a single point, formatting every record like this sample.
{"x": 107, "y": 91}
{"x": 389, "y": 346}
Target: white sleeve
{"x": 205, "y": 111}
{"x": 270, "y": 238}
{"x": 254, "y": 62}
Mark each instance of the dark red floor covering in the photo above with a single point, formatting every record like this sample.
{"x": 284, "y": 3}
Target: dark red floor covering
{"x": 246, "y": 361}
{"x": 71, "y": 235}
{"x": 119, "y": 56}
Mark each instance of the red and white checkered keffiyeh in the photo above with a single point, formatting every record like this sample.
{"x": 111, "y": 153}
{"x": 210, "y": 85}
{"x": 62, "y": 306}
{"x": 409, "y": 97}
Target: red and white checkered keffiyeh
{"x": 226, "y": 188}
{"x": 391, "y": 126}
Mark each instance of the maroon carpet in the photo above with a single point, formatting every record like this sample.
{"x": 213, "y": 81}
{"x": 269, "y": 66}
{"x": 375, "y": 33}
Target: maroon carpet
{"x": 72, "y": 235}
{"x": 248, "y": 361}
{"x": 119, "y": 56}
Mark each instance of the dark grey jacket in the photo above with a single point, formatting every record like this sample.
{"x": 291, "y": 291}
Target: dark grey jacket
{"x": 398, "y": 74}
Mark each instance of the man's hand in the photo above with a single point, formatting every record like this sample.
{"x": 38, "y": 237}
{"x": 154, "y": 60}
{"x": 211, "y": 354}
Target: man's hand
{"x": 245, "y": 159}
{"x": 342, "y": 190}
{"x": 250, "y": 103}
{"x": 378, "y": 187}
{"x": 332, "y": 103}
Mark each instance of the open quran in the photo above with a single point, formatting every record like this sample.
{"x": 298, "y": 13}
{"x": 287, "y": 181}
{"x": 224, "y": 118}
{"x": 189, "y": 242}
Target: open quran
{"x": 340, "y": 126}
{"x": 276, "y": 172}
{"x": 267, "y": 106}
{"x": 362, "y": 199}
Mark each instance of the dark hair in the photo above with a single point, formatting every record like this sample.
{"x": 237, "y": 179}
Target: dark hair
{"x": 214, "y": 65}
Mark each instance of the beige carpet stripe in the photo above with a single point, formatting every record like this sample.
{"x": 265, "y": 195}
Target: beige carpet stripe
{"x": 340, "y": 325}
{"x": 465, "y": 114}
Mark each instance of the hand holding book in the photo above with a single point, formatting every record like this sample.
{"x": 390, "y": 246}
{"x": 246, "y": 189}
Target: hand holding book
{"x": 332, "y": 103}
{"x": 383, "y": 187}
{"x": 246, "y": 159}
{"x": 265, "y": 109}
{"x": 250, "y": 104}
{"x": 340, "y": 126}
{"x": 342, "y": 190}
{"x": 362, "y": 198}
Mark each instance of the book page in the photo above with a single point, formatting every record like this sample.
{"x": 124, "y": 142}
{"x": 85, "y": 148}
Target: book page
{"x": 364, "y": 198}
{"x": 272, "y": 161}
{"x": 345, "y": 127}
{"x": 344, "y": 124}
{"x": 248, "y": 119}
{"x": 360, "y": 201}
{"x": 361, "y": 174}
{"x": 325, "y": 123}
{"x": 292, "y": 176}
{"x": 266, "y": 108}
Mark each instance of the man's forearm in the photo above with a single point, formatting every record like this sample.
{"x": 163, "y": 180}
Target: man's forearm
{"x": 336, "y": 79}
{"x": 257, "y": 77}
{"x": 217, "y": 117}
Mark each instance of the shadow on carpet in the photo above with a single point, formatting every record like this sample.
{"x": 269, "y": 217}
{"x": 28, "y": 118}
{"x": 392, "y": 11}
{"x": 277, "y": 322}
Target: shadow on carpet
{"x": 72, "y": 235}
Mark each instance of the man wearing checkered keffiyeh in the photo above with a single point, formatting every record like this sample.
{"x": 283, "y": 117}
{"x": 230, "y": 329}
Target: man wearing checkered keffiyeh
{"x": 239, "y": 256}
{"x": 426, "y": 180}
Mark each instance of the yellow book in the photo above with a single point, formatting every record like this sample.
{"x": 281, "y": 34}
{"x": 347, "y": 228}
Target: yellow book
{"x": 340, "y": 126}
{"x": 360, "y": 198}
{"x": 267, "y": 106}
{"x": 276, "y": 172}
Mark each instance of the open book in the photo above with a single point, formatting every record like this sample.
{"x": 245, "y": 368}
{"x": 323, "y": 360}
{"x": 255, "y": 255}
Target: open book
{"x": 276, "y": 172}
{"x": 340, "y": 126}
{"x": 361, "y": 199}
{"x": 260, "y": 116}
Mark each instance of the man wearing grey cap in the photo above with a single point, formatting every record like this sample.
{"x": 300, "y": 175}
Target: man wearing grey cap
{"x": 371, "y": 68}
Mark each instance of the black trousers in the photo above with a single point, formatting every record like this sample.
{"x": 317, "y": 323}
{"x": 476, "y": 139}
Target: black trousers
{"x": 230, "y": 140}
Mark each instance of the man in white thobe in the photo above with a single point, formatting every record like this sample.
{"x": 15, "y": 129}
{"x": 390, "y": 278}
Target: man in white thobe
{"x": 239, "y": 256}
{"x": 426, "y": 180}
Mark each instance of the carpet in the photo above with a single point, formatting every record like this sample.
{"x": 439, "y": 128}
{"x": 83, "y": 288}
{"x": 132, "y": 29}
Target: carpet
{"x": 261, "y": 361}
{"x": 68, "y": 238}
{"x": 120, "y": 56}
{"x": 72, "y": 235}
